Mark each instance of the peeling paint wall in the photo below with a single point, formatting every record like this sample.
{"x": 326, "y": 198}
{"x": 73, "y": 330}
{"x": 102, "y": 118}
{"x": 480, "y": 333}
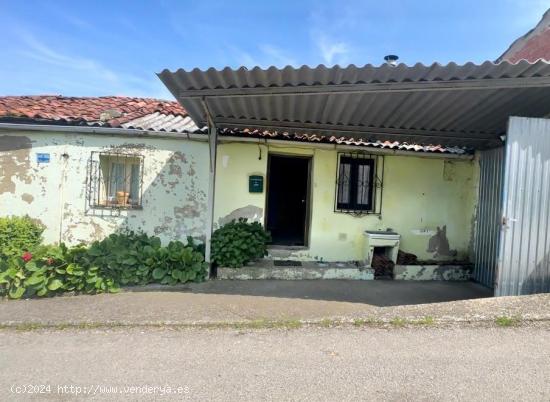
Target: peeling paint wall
{"x": 429, "y": 201}
{"x": 175, "y": 183}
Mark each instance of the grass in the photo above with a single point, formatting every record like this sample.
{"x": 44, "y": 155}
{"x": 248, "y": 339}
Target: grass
{"x": 505, "y": 321}
{"x": 359, "y": 322}
{"x": 327, "y": 323}
{"x": 362, "y": 322}
{"x": 245, "y": 325}
{"x": 262, "y": 324}
{"x": 402, "y": 322}
{"x": 398, "y": 322}
{"x": 425, "y": 321}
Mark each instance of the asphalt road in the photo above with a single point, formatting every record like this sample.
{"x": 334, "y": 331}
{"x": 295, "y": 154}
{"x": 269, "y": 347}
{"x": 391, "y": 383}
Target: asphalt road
{"x": 337, "y": 364}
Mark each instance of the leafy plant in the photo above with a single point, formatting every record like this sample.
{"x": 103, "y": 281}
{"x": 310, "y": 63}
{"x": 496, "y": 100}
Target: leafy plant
{"x": 239, "y": 242}
{"x": 198, "y": 247}
{"x": 137, "y": 259}
{"x": 50, "y": 270}
{"x": 18, "y": 234}
{"x": 176, "y": 263}
{"x": 120, "y": 259}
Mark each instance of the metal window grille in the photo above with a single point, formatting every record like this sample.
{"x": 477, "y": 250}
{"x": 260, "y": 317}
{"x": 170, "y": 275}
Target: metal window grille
{"x": 359, "y": 183}
{"x": 115, "y": 180}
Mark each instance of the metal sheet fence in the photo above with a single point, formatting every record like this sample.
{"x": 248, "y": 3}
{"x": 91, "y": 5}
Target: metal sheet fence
{"x": 524, "y": 258}
{"x": 489, "y": 216}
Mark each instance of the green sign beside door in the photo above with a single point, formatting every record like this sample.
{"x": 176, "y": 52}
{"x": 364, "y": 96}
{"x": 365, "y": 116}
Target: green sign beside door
{"x": 256, "y": 184}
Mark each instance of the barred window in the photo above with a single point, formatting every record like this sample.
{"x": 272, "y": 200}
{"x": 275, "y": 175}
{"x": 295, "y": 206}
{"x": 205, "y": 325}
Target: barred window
{"x": 115, "y": 180}
{"x": 357, "y": 183}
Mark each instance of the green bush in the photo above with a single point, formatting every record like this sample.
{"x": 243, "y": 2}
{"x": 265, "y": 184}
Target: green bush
{"x": 198, "y": 247}
{"x": 239, "y": 242}
{"x": 18, "y": 234}
{"x": 120, "y": 259}
{"x": 137, "y": 259}
{"x": 50, "y": 270}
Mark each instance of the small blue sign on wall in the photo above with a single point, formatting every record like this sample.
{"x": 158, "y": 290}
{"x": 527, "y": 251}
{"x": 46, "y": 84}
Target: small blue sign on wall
{"x": 42, "y": 158}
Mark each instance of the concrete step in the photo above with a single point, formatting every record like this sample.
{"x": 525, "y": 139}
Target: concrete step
{"x": 266, "y": 269}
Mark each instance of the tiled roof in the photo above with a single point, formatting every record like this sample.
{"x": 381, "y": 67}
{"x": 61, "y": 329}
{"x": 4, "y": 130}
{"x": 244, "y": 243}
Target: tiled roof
{"x": 107, "y": 111}
{"x": 159, "y": 116}
{"x": 532, "y": 46}
{"x": 395, "y": 145}
{"x": 164, "y": 122}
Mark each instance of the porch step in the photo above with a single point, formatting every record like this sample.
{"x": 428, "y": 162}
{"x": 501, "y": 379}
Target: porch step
{"x": 265, "y": 269}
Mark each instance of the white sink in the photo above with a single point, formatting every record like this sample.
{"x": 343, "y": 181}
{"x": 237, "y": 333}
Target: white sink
{"x": 388, "y": 240}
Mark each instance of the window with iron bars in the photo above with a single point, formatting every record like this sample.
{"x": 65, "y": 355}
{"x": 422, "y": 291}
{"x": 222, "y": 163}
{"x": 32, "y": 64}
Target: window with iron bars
{"x": 359, "y": 184}
{"x": 115, "y": 180}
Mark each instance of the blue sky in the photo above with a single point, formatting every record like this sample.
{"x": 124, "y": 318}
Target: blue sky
{"x": 91, "y": 48}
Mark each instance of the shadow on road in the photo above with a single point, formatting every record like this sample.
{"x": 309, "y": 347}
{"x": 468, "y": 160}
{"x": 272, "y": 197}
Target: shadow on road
{"x": 379, "y": 293}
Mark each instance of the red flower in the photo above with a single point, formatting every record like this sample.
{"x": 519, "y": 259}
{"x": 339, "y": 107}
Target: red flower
{"x": 26, "y": 256}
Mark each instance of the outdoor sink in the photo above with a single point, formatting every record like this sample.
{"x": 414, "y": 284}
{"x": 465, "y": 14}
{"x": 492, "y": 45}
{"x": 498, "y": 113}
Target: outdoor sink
{"x": 388, "y": 240}
{"x": 382, "y": 233}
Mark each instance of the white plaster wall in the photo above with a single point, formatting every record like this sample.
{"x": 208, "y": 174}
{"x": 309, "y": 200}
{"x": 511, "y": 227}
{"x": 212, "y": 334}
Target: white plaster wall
{"x": 175, "y": 183}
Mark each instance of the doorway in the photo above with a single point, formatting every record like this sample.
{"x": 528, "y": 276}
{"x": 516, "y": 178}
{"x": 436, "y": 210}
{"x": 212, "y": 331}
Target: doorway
{"x": 288, "y": 179}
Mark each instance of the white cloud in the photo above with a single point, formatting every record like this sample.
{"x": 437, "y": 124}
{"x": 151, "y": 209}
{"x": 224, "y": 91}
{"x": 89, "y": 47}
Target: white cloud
{"x": 68, "y": 74}
{"x": 243, "y": 58}
{"x": 39, "y": 51}
{"x": 276, "y": 56}
{"x": 265, "y": 55}
{"x": 332, "y": 51}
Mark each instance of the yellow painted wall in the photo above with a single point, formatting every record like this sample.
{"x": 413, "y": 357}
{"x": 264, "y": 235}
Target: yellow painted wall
{"x": 419, "y": 195}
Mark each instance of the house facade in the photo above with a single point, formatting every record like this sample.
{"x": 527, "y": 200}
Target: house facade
{"x": 87, "y": 167}
{"x": 336, "y": 189}
{"x": 336, "y": 163}
{"x": 429, "y": 199}
{"x": 116, "y": 167}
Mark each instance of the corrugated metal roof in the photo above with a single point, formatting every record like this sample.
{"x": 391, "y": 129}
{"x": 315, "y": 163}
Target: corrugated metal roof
{"x": 456, "y": 105}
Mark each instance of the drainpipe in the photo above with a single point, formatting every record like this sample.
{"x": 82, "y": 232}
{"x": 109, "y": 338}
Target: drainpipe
{"x": 212, "y": 146}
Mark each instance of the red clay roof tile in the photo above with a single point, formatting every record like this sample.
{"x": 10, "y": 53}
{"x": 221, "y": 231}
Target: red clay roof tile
{"x": 116, "y": 111}
{"x": 88, "y": 110}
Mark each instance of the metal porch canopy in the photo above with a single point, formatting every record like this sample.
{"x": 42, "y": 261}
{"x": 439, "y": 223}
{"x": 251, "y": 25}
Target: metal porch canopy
{"x": 455, "y": 105}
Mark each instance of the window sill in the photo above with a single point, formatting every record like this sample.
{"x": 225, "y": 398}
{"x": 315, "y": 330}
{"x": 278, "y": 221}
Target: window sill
{"x": 132, "y": 207}
{"x": 356, "y": 212}
{"x": 283, "y": 247}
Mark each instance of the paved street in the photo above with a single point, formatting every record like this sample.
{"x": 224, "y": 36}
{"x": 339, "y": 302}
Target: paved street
{"x": 237, "y": 301}
{"x": 493, "y": 364}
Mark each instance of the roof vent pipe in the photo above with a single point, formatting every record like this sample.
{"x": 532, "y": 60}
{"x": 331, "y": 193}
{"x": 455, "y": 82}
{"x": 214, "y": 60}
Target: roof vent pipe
{"x": 391, "y": 59}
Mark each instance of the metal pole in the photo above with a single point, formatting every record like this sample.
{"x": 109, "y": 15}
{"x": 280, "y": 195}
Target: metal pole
{"x": 212, "y": 145}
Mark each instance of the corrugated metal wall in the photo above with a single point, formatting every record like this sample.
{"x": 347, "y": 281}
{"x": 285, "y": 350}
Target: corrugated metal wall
{"x": 489, "y": 215}
{"x": 524, "y": 257}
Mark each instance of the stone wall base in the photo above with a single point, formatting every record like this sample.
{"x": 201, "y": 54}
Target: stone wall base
{"x": 296, "y": 273}
{"x": 432, "y": 272}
